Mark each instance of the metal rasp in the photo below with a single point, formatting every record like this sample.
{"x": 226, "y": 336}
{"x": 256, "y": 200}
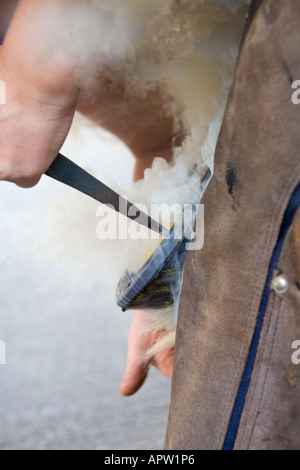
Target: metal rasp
{"x": 67, "y": 172}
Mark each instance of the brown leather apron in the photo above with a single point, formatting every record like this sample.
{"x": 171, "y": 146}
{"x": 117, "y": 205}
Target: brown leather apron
{"x": 235, "y": 385}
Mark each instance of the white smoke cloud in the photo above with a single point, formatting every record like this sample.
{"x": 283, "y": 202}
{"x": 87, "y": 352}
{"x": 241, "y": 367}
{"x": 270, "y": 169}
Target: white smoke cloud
{"x": 189, "y": 49}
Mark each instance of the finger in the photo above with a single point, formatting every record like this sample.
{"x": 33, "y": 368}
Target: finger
{"x": 164, "y": 361}
{"x": 137, "y": 366}
{"x": 27, "y": 182}
{"x": 135, "y": 375}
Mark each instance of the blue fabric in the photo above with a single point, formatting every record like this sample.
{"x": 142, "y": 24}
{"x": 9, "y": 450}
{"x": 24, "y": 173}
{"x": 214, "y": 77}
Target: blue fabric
{"x": 237, "y": 411}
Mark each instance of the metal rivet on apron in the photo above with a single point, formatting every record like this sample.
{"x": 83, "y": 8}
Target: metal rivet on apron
{"x": 280, "y": 285}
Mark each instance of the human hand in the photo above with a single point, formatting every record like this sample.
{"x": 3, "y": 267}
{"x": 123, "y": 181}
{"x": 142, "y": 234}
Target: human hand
{"x": 39, "y": 108}
{"x": 138, "y": 363}
{"x": 47, "y": 78}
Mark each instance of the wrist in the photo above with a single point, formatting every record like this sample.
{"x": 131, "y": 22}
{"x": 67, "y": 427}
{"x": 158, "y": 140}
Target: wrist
{"x": 27, "y": 82}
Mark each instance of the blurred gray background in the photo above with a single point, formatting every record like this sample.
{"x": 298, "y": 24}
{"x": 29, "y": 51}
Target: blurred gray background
{"x": 66, "y": 341}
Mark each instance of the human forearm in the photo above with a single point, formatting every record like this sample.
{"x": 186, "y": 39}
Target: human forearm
{"x": 40, "y": 99}
{"x": 33, "y": 51}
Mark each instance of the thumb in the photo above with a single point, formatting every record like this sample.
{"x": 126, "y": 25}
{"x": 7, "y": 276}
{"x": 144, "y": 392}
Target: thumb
{"x": 134, "y": 377}
{"x": 137, "y": 365}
